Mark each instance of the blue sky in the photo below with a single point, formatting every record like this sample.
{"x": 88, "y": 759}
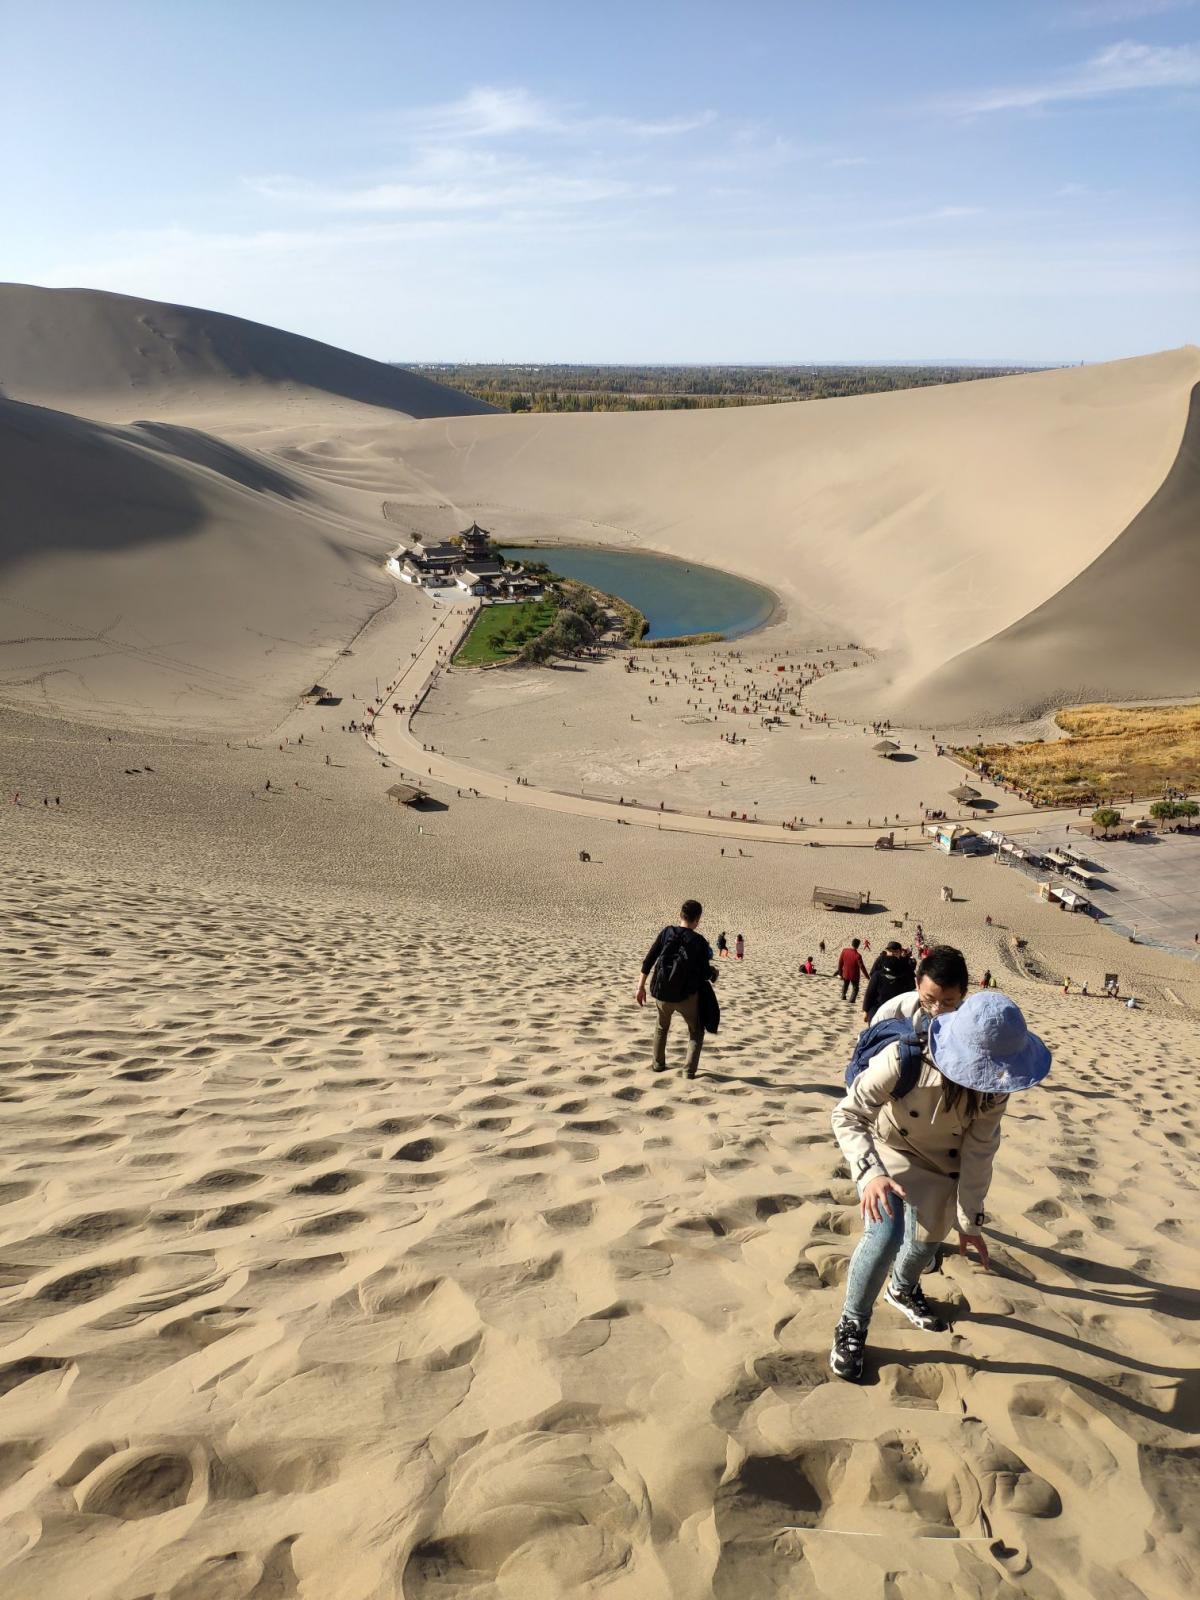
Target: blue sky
{"x": 769, "y": 180}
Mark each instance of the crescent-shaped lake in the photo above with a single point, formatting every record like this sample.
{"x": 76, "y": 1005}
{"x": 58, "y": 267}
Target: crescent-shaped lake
{"x": 676, "y": 597}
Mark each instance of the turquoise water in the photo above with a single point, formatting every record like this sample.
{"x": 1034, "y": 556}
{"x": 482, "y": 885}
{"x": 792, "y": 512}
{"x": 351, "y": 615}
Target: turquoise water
{"x": 675, "y": 597}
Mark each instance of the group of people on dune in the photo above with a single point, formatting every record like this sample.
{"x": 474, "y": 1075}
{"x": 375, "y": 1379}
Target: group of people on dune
{"x": 920, "y": 1121}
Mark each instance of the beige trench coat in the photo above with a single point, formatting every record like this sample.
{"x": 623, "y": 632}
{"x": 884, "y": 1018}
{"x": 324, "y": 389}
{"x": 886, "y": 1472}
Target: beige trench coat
{"x": 941, "y": 1161}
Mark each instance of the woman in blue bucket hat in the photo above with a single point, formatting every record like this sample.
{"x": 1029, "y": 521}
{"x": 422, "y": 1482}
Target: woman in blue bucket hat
{"x": 923, "y": 1162}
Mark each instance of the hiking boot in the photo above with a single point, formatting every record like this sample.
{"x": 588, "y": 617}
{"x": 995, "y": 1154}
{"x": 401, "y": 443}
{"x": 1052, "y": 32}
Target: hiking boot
{"x": 915, "y": 1307}
{"x": 692, "y": 1071}
{"x": 849, "y": 1349}
{"x": 658, "y": 1066}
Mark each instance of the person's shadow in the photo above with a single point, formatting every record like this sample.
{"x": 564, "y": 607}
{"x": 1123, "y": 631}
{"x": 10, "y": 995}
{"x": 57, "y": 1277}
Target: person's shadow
{"x": 1129, "y": 1290}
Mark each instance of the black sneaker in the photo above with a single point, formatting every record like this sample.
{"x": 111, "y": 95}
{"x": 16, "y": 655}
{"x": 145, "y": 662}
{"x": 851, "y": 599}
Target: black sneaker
{"x": 692, "y": 1071}
{"x": 915, "y": 1307}
{"x": 849, "y": 1349}
{"x": 658, "y": 1066}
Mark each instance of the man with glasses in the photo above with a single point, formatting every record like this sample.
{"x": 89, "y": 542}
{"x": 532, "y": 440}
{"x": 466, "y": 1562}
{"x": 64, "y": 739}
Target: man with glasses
{"x": 942, "y": 984}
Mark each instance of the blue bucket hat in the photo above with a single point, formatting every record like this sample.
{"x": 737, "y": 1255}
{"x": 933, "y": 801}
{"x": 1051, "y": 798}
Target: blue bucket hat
{"x": 985, "y": 1045}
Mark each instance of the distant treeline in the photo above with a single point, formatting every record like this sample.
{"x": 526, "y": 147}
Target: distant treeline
{"x": 571, "y": 388}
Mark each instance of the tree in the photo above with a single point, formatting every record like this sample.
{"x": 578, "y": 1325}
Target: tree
{"x": 1164, "y": 810}
{"x": 1187, "y": 808}
{"x": 1106, "y": 818}
{"x": 537, "y": 652}
{"x": 587, "y": 608}
{"x": 573, "y": 632}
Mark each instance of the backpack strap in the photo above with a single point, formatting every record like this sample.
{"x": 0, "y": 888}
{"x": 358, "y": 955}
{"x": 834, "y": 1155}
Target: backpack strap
{"x": 912, "y": 1056}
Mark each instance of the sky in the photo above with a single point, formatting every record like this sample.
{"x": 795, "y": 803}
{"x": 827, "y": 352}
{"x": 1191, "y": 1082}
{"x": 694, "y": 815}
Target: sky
{"x": 633, "y": 180}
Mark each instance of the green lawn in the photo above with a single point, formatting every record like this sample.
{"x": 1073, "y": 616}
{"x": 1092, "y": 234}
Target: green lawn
{"x": 501, "y": 631}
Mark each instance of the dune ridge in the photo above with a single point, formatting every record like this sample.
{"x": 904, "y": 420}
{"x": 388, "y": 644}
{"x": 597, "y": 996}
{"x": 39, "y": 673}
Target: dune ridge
{"x": 117, "y": 357}
{"x": 1078, "y": 646}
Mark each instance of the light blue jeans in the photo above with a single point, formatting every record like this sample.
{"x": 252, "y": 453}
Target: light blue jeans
{"x": 891, "y": 1243}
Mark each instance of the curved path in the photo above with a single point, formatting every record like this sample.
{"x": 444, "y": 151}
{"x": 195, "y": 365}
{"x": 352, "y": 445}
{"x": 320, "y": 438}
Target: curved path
{"x": 393, "y": 737}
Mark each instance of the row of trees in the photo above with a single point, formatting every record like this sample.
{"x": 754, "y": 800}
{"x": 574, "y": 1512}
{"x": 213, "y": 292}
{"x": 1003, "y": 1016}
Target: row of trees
{"x": 1175, "y": 810}
{"x": 561, "y": 387}
{"x": 1162, "y": 811}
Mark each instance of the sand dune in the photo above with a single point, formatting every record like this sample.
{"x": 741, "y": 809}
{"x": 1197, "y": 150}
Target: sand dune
{"x": 156, "y": 575}
{"x": 312, "y": 1289}
{"x": 119, "y": 358}
{"x": 1126, "y": 627}
{"x": 921, "y": 524}
{"x": 1000, "y": 545}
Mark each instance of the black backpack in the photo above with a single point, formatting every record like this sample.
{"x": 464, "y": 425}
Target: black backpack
{"x": 676, "y": 972}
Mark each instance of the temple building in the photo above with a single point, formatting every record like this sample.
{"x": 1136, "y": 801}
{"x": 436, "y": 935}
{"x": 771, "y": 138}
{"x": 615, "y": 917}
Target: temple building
{"x": 468, "y": 562}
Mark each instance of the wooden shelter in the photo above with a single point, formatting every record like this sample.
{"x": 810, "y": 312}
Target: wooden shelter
{"x": 964, "y": 793}
{"x": 886, "y": 747}
{"x": 841, "y": 899}
{"x": 404, "y": 794}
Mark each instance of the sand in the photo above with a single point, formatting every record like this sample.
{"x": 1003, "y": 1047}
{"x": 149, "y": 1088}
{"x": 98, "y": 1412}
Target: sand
{"x": 350, "y": 1248}
{"x": 115, "y": 358}
{"x": 921, "y": 524}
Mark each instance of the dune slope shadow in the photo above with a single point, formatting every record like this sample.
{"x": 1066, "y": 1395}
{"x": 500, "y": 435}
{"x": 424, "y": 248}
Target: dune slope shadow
{"x": 63, "y": 475}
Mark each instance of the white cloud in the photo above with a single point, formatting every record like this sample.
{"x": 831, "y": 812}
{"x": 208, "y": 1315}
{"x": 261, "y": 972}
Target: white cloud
{"x": 536, "y": 189}
{"x": 668, "y": 128}
{"x": 920, "y": 218}
{"x": 492, "y": 113}
{"x": 1119, "y": 69}
{"x": 1107, "y": 13}
{"x": 483, "y": 113}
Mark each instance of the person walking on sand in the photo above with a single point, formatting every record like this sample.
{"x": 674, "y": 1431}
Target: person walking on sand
{"x": 739, "y": 947}
{"x": 893, "y": 974}
{"x": 722, "y": 945}
{"x": 923, "y": 1164}
{"x": 850, "y": 970}
{"x": 679, "y": 959}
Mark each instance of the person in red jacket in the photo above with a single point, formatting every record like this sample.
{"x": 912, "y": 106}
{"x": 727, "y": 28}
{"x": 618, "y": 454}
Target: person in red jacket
{"x": 851, "y": 971}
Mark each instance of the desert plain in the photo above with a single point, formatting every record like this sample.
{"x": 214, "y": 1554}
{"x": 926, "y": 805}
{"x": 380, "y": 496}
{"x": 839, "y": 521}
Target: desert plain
{"x": 351, "y": 1250}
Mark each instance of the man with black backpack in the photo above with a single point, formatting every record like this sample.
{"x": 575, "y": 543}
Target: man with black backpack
{"x": 680, "y": 959}
{"x": 893, "y": 974}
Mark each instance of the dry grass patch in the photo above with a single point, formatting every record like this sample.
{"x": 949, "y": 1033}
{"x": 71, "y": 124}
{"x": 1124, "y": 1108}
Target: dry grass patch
{"x": 1112, "y": 751}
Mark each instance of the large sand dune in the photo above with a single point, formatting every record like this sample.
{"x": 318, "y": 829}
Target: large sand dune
{"x": 921, "y": 524}
{"x": 153, "y": 574}
{"x": 1000, "y": 545}
{"x": 1126, "y": 626}
{"x": 118, "y": 358}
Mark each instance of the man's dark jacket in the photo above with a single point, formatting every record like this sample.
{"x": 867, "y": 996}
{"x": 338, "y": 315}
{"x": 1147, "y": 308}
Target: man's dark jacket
{"x": 698, "y": 948}
{"x": 891, "y": 975}
{"x": 710, "y": 1007}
